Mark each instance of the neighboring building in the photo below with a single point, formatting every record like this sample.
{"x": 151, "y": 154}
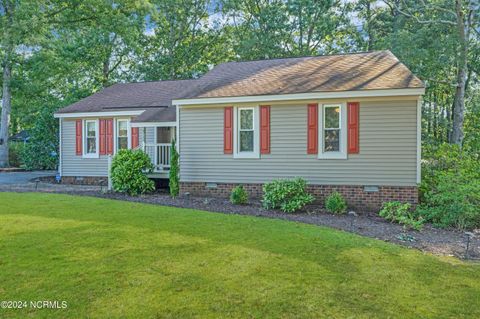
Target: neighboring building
{"x": 22, "y": 136}
{"x": 343, "y": 122}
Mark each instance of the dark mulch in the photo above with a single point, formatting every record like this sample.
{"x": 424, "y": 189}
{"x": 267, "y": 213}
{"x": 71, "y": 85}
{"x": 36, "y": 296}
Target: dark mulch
{"x": 430, "y": 239}
{"x": 11, "y": 169}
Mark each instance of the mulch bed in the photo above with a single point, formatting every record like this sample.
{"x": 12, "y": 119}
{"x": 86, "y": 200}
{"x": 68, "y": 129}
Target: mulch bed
{"x": 430, "y": 239}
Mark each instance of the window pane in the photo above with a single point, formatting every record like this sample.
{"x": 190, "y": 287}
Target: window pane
{"x": 246, "y": 119}
{"x": 122, "y": 143}
{"x": 91, "y": 145}
{"x": 246, "y": 141}
{"x": 91, "y": 129}
{"x": 332, "y": 117}
{"x": 332, "y": 141}
{"x": 122, "y": 128}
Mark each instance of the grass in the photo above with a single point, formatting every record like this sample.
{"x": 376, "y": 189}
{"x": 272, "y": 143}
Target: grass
{"x": 113, "y": 259}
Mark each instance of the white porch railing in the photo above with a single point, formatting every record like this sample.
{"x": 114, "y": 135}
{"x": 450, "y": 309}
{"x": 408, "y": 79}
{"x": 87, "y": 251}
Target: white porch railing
{"x": 159, "y": 155}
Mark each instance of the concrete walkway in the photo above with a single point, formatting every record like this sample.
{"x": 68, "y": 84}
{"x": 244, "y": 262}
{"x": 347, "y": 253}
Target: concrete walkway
{"x": 22, "y": 177}
{"x": 24, "y": 182}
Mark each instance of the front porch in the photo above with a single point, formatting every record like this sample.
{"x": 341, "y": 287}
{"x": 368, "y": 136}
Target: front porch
{"x": 156, "y": 142}
{"x": 159, "y": 154}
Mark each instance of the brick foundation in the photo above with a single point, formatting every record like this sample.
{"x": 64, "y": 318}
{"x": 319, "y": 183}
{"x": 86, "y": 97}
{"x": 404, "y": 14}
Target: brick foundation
{"x": 357, "y": 196}
{"x": 84, "y": 180}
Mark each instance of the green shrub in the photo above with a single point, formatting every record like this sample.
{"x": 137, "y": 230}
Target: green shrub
{"x": 129, "y": 172}
{"x": 335, "y": 203}
{"x": 450, "y": 188}
{"x": 41, "y": 151}
{"x": 401, "y": 213}
{"x": 173, "y": 182}
{"x": 286, "y": 195}
{"x": 454, "y": 201}
{"x": 239, "y": 196}
{"x": 15, "y": 151}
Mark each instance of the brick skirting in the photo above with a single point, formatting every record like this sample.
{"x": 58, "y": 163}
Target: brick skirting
{"x": 357, "y": 196}
{"x": 84, "y": 180}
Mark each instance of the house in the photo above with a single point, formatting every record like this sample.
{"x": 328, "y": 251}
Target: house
{"x": 348, "y": 122}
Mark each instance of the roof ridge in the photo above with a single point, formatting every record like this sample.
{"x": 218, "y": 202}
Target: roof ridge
{"x": 152, "y": 81}
{"x": 310, "y": 56}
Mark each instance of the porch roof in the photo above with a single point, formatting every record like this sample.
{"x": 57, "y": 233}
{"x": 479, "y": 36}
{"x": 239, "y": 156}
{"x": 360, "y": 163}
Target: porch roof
{"x": 158, "y": 114}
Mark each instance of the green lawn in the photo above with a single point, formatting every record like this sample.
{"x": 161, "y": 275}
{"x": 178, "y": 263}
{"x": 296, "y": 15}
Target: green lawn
{"x": 113, "y": 259}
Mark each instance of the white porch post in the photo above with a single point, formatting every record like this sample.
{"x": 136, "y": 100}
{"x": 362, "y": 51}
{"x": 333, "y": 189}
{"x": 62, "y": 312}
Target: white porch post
{"x": 109, "y": 187}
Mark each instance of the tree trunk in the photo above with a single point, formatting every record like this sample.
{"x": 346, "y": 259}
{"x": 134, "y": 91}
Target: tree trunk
{"x": 5, "y": 118}
{"x": 396, "y": 25}
{"x": 459, "y": 100}
{"x": 105, "y": 72}
{"x": 435, "y": 111}
{"x": 369, "y": 27}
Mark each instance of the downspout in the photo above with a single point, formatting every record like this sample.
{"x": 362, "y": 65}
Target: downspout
{"x": 419, "y": 139}
{"x": 177, "y": 142}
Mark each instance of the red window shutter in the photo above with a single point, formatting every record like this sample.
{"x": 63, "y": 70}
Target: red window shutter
{"x": 312, "y": 129}
{"x": 109, "y": 136}
{"x": 265, "y": 129}
{"x": 78, "y": 137}
{"x": 103, "y": 137}
{"x": 353, "y": 109}
{"x": 134, "y": 137}
{"x": 228, "y": 130}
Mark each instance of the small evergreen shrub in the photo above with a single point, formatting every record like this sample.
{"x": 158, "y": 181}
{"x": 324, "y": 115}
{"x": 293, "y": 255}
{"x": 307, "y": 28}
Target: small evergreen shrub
{"x": 401, "y": 213}
{"x": 129, "y": 172}
{"x": 287, "y": 195}
{"x": 173, "y": 182}
{"x": 336, "y": 204}
{"x": 239, "y": 196}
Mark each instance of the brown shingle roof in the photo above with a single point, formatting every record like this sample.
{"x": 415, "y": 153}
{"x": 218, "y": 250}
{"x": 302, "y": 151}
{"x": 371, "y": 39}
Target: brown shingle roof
{"x": 344, "y": 72}
{"x": 124, "y": 96}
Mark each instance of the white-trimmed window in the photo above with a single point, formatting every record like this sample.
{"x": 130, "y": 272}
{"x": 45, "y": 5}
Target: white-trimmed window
{"x": 90, "y": 138}
{"x": 332, "y": 132}
{"x": 122, "y": 136}
{"x": 246, "y": 133}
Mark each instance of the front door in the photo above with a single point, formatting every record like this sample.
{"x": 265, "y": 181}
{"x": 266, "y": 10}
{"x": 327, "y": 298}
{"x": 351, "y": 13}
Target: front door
{"x": 165, "y": 135}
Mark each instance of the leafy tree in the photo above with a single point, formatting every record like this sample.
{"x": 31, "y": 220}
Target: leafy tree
{"x": 270, "y": 29}
{"x": 463, "y": 16}
{"x": 180, "y": 42}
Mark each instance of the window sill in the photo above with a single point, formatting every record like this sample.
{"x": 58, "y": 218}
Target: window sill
{"x": 90, "y": 156}
{"x": 332, "y": 155}
{"x": 246, "y": 155}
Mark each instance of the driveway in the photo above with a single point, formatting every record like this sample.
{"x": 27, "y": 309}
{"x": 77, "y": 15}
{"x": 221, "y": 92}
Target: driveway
{"x": 22, "y": 177}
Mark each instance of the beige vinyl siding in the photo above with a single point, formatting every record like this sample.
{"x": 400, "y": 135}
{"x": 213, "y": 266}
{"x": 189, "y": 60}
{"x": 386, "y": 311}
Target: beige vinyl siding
{"x": 76, "y": 165}
{"x": 387, "y": 148}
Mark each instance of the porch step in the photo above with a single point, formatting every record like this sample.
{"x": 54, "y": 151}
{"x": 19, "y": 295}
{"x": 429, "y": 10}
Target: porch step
{"x": 158, "y": 175}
